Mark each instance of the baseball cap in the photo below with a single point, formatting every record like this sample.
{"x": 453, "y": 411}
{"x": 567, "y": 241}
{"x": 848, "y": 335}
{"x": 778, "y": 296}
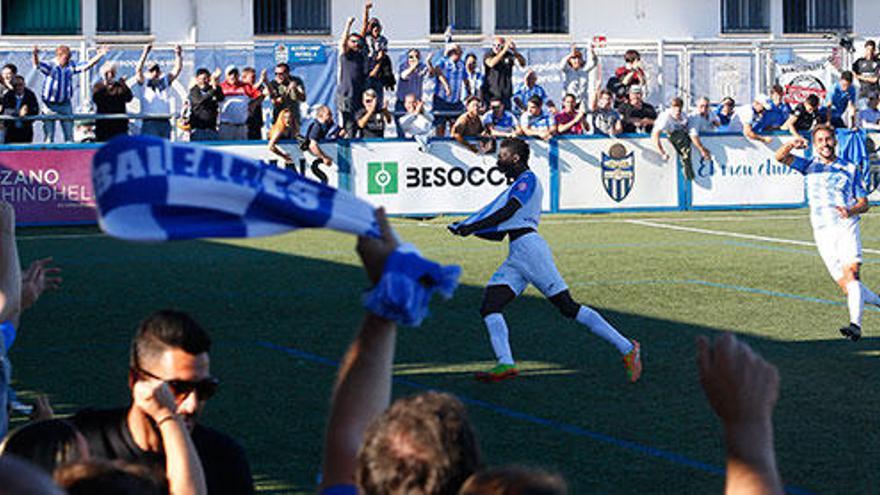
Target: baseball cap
{"x": 452, "y": 47}
{"x": 230, "y": 68}
{"x": 635, "y": 89}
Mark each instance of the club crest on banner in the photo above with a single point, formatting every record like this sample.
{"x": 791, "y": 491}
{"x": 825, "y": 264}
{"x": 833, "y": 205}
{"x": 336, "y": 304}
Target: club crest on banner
{"x": 872, "y": 178}
{"x": 618, "y": 172}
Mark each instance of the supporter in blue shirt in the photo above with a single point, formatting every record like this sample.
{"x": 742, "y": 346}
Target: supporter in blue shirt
{"x": 499, "y": 121}
{"x": 526, "y": 90}
{"x": 841, "y": 97}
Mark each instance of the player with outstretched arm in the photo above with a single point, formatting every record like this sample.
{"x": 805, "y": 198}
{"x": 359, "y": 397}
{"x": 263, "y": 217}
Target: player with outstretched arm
{"x": 515, "y": 214}
{"x": 837, "y": 197}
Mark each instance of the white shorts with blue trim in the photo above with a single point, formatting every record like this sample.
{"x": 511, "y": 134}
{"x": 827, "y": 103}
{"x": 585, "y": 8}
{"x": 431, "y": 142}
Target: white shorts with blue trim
{"x": 839, "y": 246}
{"x": 529, "y": 262}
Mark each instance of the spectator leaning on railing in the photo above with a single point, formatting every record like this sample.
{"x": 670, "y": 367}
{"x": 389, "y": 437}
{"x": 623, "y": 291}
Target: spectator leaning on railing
{"x": 805, "y": 117}
{"x": 154, "y": 92}
{"x": 500, "y": 122}
{"x": 282, "y": 130}
{"x": 20, "y": 102}
{"x": 674, "y": 123}
{"x": 110, "y": 97}
{"x": 572, "y": 119}
{"x": 535, "y": 122}
{"x": 469, "y": 125}
{"x": 58, "y": 87}
{"x": 702, "y": 121}
{"x": 728, "y": 120}
{"x": 204, "y": 102}
{"x": 605, "y": 119}
{"x": 638, "y": 115}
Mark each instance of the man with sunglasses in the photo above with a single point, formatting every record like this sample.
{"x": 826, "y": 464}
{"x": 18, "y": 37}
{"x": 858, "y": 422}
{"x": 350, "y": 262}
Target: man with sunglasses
{"x": 169, "y": 348}
{"x": 286, "y": 91}
{"x": 154, "y": 92}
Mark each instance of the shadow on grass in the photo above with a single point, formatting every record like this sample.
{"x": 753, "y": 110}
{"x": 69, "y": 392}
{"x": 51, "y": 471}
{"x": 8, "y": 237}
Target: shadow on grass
{"x": 275, "y": 403}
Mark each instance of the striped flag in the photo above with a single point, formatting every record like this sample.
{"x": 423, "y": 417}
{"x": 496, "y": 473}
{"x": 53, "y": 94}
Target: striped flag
{"x": 149, "y": 189}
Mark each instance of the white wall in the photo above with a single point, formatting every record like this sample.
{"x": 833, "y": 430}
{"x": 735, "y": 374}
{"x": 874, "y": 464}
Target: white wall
{"x": 866, "y": 18}
{"x": 645, "y": 19}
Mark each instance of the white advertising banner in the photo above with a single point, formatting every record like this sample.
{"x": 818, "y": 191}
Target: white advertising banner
{"x": 598, "y": 174}
{"x": 743, "y": 172}
{"x": 446, "y": 179}
{"x": 303, "y": 162}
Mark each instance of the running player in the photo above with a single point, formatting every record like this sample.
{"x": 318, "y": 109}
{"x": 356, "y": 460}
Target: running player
{"x": 515, "y": 214}
{"x": 837, "y": 197}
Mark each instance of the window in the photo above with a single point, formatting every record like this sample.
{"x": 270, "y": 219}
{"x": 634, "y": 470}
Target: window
{"x": 41, "y": 17}
{"x": 462, "y": 15}
{"x": 817, "y": 16}
{"x": 291, "y": 16}
{"x": 123, "y": 16}
{"x": 745, "y": 16}
{"x": 531, "y": 16}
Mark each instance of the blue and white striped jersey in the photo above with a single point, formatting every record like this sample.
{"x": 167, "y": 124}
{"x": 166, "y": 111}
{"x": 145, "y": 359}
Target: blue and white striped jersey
{"x": 829, "y": 186}
{"x": 58, "y": 85}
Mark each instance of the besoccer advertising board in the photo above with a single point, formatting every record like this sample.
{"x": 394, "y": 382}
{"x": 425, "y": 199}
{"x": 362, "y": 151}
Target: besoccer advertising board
{"x": 304, "y": 162}
{"x": 599, "y": 174}
{"x": 446, "y": 179}
{"x": 743, "y": 172}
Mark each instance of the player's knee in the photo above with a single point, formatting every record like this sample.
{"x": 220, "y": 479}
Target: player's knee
{"x": 494, "y": 299}
{"x": 565, "y": 304}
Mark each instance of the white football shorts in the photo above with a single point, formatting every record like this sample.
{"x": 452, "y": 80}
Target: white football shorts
{"x": 839, "y": 246}
{"x": 529, "y": 262}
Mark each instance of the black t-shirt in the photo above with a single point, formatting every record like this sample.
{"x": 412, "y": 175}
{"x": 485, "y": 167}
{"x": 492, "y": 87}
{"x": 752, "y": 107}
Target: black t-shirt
{"x": 352, "y": 74}
{"x": 630, "y": 112}
{"x": 805, "y": 119}
{"x": 498, "y": 80}
{"x": 223, "y": 460}
{"x": 319, "y": 131}
{"x": 375, "y": 127}
{"x": 866, "y": 67}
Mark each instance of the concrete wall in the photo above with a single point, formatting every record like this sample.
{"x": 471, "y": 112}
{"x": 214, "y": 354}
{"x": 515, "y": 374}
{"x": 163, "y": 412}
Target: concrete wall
{"x": 407, "y": 21}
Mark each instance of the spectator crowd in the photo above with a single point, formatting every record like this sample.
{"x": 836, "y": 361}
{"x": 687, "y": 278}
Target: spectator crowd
{"x": 376, "y": 97}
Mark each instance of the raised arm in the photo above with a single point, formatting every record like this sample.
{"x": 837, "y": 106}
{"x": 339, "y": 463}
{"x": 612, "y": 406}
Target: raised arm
{"x": 178, "y": 64}
{"x": 35, "y": 56}
{"x": 99, "y": 54}
{"x": 742, "y": 389}
{"x": 346, "y": 32}
{"x": 783, "y": 154}
{"x": 139, "y": 68}
{"x": 367, "y": 6}
{"x": 495, "y": 59}
{"x": 183, "y": 468}
{"x": 363, "y": 386}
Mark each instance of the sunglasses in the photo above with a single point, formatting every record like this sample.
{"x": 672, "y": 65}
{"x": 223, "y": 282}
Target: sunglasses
{"x": 280, "y": 73}
{"x": 204, "y": 389}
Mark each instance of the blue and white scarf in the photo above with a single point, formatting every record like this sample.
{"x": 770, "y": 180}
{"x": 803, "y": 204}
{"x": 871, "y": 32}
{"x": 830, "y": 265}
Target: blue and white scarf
{"x": 149, "y": 189}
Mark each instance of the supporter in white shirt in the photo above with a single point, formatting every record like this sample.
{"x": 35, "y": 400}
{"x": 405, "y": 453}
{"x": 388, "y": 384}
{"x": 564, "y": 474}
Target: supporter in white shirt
{"x": 869, "y": 118}
{"x": 154, "y": 92}
{"x": 702, "y": 121}
{"x": 417, "y": 123}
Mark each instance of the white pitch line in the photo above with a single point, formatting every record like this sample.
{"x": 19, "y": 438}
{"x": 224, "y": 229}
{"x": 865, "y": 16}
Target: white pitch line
{"x": 575, "y": 221}
{"x": 737, "y": 235}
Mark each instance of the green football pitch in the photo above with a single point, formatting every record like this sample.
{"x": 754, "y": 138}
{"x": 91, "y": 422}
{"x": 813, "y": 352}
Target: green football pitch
{"x": 282, "y": 310}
